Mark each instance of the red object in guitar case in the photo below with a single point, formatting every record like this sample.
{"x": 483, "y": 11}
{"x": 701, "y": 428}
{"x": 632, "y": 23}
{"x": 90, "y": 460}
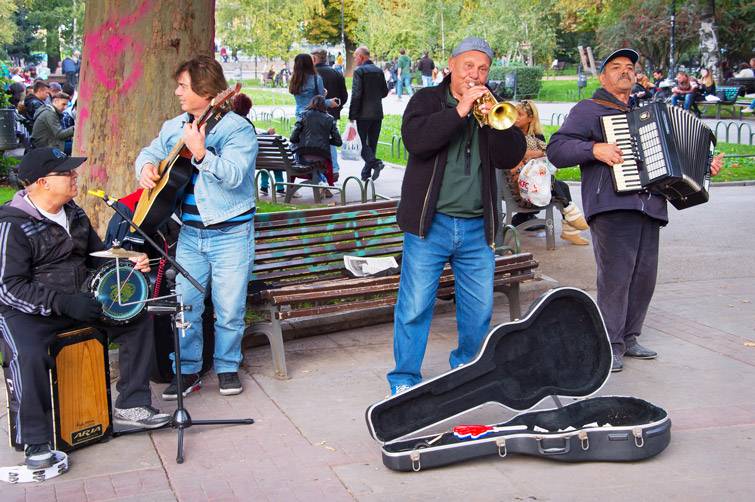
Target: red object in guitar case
{"x": 559, "y": 350}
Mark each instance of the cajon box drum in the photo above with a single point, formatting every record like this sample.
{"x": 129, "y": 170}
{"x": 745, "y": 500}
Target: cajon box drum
{"x": 80, "y": 391}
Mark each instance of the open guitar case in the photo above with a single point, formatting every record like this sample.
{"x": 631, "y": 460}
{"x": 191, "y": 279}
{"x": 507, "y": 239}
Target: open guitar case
{"x": 559, "y": 350}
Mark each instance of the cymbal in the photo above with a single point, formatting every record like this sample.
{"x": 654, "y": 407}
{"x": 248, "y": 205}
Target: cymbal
{"x": 116, "y": 252}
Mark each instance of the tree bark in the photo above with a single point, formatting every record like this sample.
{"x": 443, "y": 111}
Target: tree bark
{"x": 130, "y": 52}
{"x": 709, "y": 39}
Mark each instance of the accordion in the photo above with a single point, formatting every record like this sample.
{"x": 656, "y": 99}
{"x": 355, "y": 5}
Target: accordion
{"x": 666, "y": 150}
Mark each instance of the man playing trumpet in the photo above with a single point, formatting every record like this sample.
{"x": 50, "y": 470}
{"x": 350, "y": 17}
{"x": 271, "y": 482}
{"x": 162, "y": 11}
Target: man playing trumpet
{"x": 448, "y": 210}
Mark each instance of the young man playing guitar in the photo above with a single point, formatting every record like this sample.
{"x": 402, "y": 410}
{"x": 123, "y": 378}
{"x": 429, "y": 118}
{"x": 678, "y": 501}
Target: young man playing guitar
{"x": 216, "y": 242}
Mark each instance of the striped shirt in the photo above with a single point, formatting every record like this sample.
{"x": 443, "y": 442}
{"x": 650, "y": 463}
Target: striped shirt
{"x": 190, "y": 212}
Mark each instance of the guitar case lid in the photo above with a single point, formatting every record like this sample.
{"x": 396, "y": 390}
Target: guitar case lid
{"x": 560, "y": 348}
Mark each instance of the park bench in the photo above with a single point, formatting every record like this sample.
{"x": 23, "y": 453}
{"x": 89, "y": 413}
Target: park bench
{"x": 748, "y": 84}
{"x": 299, "y": 270}
{"x": 511, "y": 207}
{"x": 275, "y": 154}
{"x": 728, "y": 97}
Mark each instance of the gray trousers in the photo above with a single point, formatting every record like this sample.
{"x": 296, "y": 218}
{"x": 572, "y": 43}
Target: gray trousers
{"x": 626, "y": 253}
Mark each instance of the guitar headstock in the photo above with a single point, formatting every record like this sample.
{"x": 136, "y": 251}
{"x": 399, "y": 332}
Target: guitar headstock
{"x": 224, "y": 96}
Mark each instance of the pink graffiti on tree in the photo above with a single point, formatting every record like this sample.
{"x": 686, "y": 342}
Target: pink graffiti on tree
{"x": 107, "y": 50}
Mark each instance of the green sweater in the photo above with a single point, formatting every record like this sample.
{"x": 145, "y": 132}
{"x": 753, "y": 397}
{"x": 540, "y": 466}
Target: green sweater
{"x": 47, "y": 130}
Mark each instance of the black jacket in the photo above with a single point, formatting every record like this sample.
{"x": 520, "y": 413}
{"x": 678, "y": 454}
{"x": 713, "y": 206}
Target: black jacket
{"x": 31, "y": 104}
{"x": 367, "y": 92}
{"x": 426, "y": 66}
{"x": 336, "y": 86}
{"x": 39, "y": 261}
{"x": 428, "y": 127}
{"x": 314, "y": 133}
{"x": 572, "y": 145}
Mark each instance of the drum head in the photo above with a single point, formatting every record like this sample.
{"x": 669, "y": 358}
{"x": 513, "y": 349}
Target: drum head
{"x": 134, "y": 290}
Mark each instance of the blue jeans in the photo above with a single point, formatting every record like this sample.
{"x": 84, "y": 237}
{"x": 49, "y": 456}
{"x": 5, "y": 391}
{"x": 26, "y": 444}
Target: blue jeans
{"x": 427, "y": 80}
{"x": 224, "y": 258}
{"x": 688, "y": 100}
{"x": 334, "y": 158}
{"x": 265, "y": 181}
{"x": 462, "y": 242}
{"x": 404, "y": 80}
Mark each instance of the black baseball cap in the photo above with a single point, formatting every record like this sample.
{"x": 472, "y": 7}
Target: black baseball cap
{"x": 627, "y": 53}
{"x": 39, "y": 162}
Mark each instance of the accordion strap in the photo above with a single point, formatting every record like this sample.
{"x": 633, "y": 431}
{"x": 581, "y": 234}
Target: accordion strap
{"x": 610, "y": 104}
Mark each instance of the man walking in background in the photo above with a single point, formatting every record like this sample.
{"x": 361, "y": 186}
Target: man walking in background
{"x": 335, "y": 85}
{"x": 403, "y": 74}
{"x": 367, "y": 92}
{"x": 426, "y": 66}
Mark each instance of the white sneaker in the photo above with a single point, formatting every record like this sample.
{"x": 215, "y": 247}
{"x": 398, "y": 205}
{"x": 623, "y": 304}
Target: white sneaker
{"x": 141, "y": 416}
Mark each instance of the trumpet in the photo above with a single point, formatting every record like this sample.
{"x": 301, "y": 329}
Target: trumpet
{"x": 502, "y": 114}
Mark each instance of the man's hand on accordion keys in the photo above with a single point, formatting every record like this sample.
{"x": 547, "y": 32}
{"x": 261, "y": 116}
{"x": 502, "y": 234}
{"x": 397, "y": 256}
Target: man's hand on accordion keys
{"x": 608, "y": 153}
{"x": 716, "y": 164}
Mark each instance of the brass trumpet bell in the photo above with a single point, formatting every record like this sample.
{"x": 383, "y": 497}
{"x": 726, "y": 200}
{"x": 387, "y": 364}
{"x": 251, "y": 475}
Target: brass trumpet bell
{"x": 502, "y": 114}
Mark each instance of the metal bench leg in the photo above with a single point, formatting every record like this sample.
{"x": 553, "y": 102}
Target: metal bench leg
{"x": 275, "y": 337}
{"x": 515, "y": 309}
{"x": 550, "y": 233}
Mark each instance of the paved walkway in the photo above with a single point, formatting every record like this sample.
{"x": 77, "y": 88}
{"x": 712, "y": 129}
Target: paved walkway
{"x": 310, "y": 441}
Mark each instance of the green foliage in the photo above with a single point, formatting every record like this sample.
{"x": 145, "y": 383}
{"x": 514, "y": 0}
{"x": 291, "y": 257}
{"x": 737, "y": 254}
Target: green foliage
{"x": 4, "y": 96}
{"x": 263, "y": 27}
{"x": 7, "y": 21}
{"x": 323, "y": 22}
{"x": 528, "y": 80}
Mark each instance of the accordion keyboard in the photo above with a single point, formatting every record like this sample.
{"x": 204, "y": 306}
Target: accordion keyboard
{"x": 626, "y": 176}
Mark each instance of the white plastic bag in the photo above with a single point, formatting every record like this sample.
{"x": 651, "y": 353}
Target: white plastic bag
{"x": 535, "y": 181}
{"x": 352, "y": 144}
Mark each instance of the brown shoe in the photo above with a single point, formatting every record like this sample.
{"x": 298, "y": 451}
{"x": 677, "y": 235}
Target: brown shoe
{"x": 571, "y": 234}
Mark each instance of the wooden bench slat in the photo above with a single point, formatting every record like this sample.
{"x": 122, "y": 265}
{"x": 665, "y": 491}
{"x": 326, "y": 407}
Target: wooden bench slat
{"x": 262, "y": 218}
{"x": 269, "y": 245}
{"x": 261, "y": 226}
{"x": 340, "y": 247}
{"x": 330, "y": 258}
{"x": 321, "y": 229}
{"x": 330, "y": 309}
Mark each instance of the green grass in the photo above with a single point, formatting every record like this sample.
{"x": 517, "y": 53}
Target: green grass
{"x": 6, "y": 194}
{"x": 565, "y": 90}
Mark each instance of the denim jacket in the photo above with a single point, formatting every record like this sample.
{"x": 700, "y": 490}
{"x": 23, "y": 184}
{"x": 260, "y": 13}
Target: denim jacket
{"x": 309, "y": 89}
{"x": 225, "y": 185}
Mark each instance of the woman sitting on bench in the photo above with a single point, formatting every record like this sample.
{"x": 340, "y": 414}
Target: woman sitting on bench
{"x": 574, "y": 220}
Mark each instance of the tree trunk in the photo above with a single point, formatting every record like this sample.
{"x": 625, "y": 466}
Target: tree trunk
{"x": 52, "y": 47}
{"x": 126, "y": 86}
{"x": 709, "y": 39}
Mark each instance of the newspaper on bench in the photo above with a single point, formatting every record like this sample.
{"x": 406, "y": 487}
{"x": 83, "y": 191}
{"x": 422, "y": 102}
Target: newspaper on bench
{"x": 361, "y": 266}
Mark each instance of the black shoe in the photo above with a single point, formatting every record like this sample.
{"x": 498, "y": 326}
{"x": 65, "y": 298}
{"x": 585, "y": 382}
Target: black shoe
{"x": 191, "y": 383}
{"x": 634, "y": 349}
{"x": 520, "y": 218}
{"x": 366, "y": 171}
{"x": 376, "y": 170}
{"x": 264, "y": 192}
{"x": 39, "y": 456}
{"x": 229, "y": 384}
{"x": 618, "y": 363}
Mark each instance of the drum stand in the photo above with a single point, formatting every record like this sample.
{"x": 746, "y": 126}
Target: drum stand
{"x": 181, "y": 419}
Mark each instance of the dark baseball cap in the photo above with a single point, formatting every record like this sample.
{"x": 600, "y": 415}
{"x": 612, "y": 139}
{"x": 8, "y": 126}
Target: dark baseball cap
{"x": 40, "y": 162}
{"x": 627, "y": 53}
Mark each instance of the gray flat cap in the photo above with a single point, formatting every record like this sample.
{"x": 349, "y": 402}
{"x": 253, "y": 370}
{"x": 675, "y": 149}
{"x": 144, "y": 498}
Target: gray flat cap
{"x": 473, "y": 44}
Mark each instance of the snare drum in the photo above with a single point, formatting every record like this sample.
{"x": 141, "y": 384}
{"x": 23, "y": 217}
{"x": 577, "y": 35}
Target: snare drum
{"x": 134, "y": 291}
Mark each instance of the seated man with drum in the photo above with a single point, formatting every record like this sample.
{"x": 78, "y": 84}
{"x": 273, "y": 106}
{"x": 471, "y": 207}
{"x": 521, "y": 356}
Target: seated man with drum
{"x": 45, "y": 246}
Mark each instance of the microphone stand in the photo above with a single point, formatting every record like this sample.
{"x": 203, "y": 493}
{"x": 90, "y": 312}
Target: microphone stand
{"x": 181, "y": 419}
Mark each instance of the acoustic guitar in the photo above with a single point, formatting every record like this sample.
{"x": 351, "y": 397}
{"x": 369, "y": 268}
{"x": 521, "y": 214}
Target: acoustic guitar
{"x": 155, "y": 206}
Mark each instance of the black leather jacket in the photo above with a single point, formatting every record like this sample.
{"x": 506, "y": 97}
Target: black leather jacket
{"x": 39, "y": 260}
{"x": 314, "y": 133}
{"x": 367, "y": 92}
